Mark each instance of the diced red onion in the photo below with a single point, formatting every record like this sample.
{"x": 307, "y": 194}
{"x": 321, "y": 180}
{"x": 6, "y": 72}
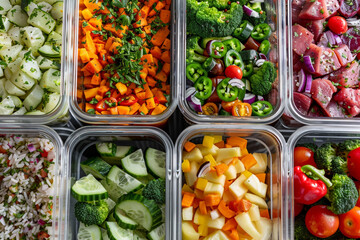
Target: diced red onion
{"x": 338, "y": 40}
{"x": 41, "y": 222}
{"x": 308, "y": 83}
{"x": 237, "y": 83}
{"x": 263, "y": 56}
{"x": 302, "y": 80}
{"x": 193, "y": 101}
{"x": 308, "y": 64}
{"x": 252, "y": 13}
{"x": 31, "y": 148}
{"x": 249, "y": 98}
{"x": 330, "y": 37}
{"x": 260, "y": 98}
{"x": 204, "y": 169}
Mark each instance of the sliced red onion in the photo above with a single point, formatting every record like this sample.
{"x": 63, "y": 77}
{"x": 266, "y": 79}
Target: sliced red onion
{"x": 302, "y": 80}
{"x": 204, "y": 169}
{"x": 263, "y": 56}
{"x": 41, "y": 222}
{"x": 237, "y": 83}
{"x": 249, "y": 98}
{"x": 260, "y": 98}
{"x": 248, "y": 11}
{"x": 338, "y": 40}
{"x": 308, "y": 83}
{"x": 260, "y": 62}
{"x": 31, "y": 148}
{"x": 193, "y": 101}
{"x": 353, "y": 22}
{"x": 308, "y": 64}
{"x": 190, "y": 91}
{"x": 330, "y": 37}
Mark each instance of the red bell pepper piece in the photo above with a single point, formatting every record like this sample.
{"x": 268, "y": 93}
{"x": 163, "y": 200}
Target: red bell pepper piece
{"x": 307, "y": 190}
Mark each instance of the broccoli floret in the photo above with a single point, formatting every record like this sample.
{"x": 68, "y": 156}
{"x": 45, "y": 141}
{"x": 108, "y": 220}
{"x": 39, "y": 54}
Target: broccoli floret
{"x": 343, "y": 194}
{"x": 347, "y": 146}
{"x": 91, "y": 213}
{"x": 339, "y": 165}
{"x": 262, "y": 79}
{"x": 206, "y": 21}
{"x": 222, "y": 4}
{"x": 193, "y": 43}
{"x": 155, "y": 190}
{"x": 311, "y": 146}
{"x": 324, "y": 155}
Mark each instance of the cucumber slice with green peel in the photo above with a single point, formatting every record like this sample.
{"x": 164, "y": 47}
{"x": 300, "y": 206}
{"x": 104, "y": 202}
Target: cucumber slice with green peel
{"x": 106, "y": 149}
{"x": 33, "y": 99}
{"x": 21, "y": 111}
{"x": 51, "y": 80}
{"x": 59, "y": 27}
{"x": 51, "y": 103}
{"x": 88, "y": 189}
{"x": 9, "y": 54}
{"x": 5, "y": 41}
{"x": 115, "y": 232}
{"x": 96, "y": 166}
{"x": 5, "y": 6}
{"x": 57, "y": 11}
{"x": 138, "y": 235}
{"x": 29, "y": 8}
{"x": 3, "y": 91}
{"x": 51, "y": 2}
{"x": 31, "y": 68}
{"x": 15, "y": 2}
{"x": 120, "y": 153}
{"x": 111, "y": 204}
{"x": 5, "y": 24}
{"x": 134, "y": 164}
{"x": 91, "y": 232}
{"x": 46, "y": 7}
{"x": 124, "y": 221}
{"x": 122, "y": 181}
{"x": 156, "y": 162}
{"x": 13, "y": 89}
{"x": 54, "y": 38}
{"x": 50, "y": 50}
{"x": 157, "y": 233}
{"x": 143, "y": 211}
{"x": 17, "y": 16}
{"x": 33, "y": 38}
{"x": 46, "y": 63}
{"x": 23, "y": 81}
{"x": 15, "y": 35}
{"x": 113, "y": 190}
{"x": 17, "y": 102}
{"x": 104, "y": 234}
{"x": 15, "y": 65}
{"x": 42, "y": 20}
{"x": 7, "y": 106}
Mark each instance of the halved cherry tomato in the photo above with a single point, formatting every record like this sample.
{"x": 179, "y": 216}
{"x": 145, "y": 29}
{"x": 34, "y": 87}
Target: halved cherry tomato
{"x": 128, "y": 100}
{"x": 242, "y": 110}
{"x": 210, "y": 109}
{"x": 105, "y": 104}
{"x": 353, "y": 163}
{"x": 303, "y": 156}
{"x": 228, "y": 106}
{"x": 350, "y": 223}
{"x": 321, "y": 222}
{"x": 233, "y": 71}
{"x": 338, "y": 25}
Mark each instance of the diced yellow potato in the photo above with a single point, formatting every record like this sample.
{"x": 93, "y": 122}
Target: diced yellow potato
{"x": 217, "y": 138}
{"x": 188, "y": 231}
{"x": 214, "y": 188}
{"x": 264, "y": 226}
{"x": 186, "y": 188}
{"x": 237, "y": 188}
{"x": 244, "y": 221}
{"x": 187, "y": 214}
{"x": 194, "y": 155}
{"x": 200, "y": 219}
{"x": 256, "y": 200}
{"x": 231, "y": 173}
{"x": 261, "y": 165}
{"x": 216, "y": 223}
{"x": 201, "y": 184}
{"x": 191, "y": 177}
{"x": 214, "y": 214}
{"x": 255, "y": 186}
{"x": 208, "y": 141}
{"x": 218, "y": 235}
{"x": 214, "y": 178}
{"x": 254, "y": 212}
{"x": 203, "y": 230}
{"x": 211, "y": 159}
{"x": 239, "y": 166}
{"x": 185, "y": 166}
{"x": 228, "y": 153}
{"x": 205, "y": 151}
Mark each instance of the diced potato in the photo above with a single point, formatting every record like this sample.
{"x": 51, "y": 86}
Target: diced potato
{"x": 264, "y": 226}
{"x": 201, "y": 184}
{"x": 228, "y": 196}
{"x": 254, "y": 212}
{"x": 261, "y": 165}
{"x": 211, "y": 159}
{"x": 188, "y": 231}
{"x": 214, "y": 178}
{"x": 228, "y": 153}
{"x": 203, "y": 230}
{"x": 191, "y": 177}
{"x": 214, "y": 188}
{"x": 231, "y": 173}
{"x": 255, "y": 186}
{"x": 194, "y": 155}
{"x": 208, "y": 141}
{"x": 200, "y": 219}
{"x": 218, "y": 235}
{"x": 187, "y": 213}
{"x": 205, "y": 151}
{"x": 239, "y": 166}
{"x": 216, "y": 223}
{"x": 244, "y": 221}
{"x": 214, "y": 214}
{"x": 256, "y": 200}
{"x": 237, "y": 188}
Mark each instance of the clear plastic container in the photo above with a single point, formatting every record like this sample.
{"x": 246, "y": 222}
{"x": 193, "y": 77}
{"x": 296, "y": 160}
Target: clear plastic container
{"x": 276, "y": 10}
{"x": 310, "y": 134}
{"x": 81, "y": 144}
{"x": 72, "y": 63}
{"x": 59, "y": 203}
{"x": 262, "y": 139}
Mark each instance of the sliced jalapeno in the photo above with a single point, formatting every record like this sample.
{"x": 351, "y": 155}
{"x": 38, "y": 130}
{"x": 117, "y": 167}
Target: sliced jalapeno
{"x": 203, "y": 87}
{"x": 234, "y": 58}
{"x": 262, "y": 108}
{"x": 218, "y": 49}
{"x": 248, "y": 69}
{"x": 244, "y": 31}
{"x": 226, "y": 92}
{"x": 194, "y": 71}
{"x": 264, "y": 47}
{"x": 222, "y": 112}
{"x": 234, "y": 44}
{"x": 261, "y": 32}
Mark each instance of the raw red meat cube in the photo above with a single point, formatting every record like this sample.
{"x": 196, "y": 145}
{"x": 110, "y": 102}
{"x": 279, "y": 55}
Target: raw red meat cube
{"x": 349, "y": 99}
{"x": 302, "y": 38}
{"x": 322, "y": 91}
{"x": 324, "y": 60}
{"x": 344, "y": 54}
{"x": 347, "y": 76}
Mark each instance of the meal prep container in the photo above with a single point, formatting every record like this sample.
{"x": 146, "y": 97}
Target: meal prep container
{"x": 263, "y": 139}
{"x": 72, "y": 62}
{"x": 59, "y": 203}
{"x": 81, "y": 144}
{"x": 310, "y": 134}
{"x": 276, "y": 11}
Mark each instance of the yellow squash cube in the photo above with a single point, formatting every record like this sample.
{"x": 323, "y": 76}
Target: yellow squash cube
{"x": 208, "y": 141}
{"x": 185, "y": 166}
{"x": 201, "y": 184}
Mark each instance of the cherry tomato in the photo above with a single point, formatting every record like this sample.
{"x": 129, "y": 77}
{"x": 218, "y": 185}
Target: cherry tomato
{"x": 338, "y": 25}
{"x": 303, "y": 156}
{"x": 228, "y": 106}
{"x": 210, "y": 109}
{"x": 353, "y": 163}
{"x": 233, "y": 71}
{"x": 298, "y": 207}
{"x": 350, "y": 223}
{"x": 358, "y": 188}
{"x": 241, "y": 110}
{"x": 321, "y": 222}
{"x": 128, "y": 100}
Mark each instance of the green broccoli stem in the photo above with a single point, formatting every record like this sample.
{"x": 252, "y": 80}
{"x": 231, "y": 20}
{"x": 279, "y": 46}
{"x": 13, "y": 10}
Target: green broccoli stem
{"x": 316, "y": 174}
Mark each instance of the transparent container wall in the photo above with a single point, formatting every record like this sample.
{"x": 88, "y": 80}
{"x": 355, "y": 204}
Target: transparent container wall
{"x": 76, "y": 84}
{"x": 59, "y": 203}
{"x": 317, "y": 135}
{"x": 81, "y": 145}
{"x": 276, "y": 19}
{"x": 261, "y": 139}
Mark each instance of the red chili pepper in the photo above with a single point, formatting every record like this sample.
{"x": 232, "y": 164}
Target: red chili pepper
{"x": 307, "y": 190}
{"x": 104, "y": 104}
{"x": 128, "y": 101}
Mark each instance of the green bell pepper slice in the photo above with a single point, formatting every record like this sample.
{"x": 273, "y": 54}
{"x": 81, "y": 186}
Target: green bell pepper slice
{"x": 218, "y": 50}
{"x": 222, "y": 112}
{"x": 234, "y": 44}
{"x": 264, "y": 47}
{"x": 261, "y": 108}
{"x": 261, "y": 32}
{"x": 209, "y": 64}
{"x": 234, "y": 58}
{"x": 226, "y": 92}
{"x": 203, "y": 87}
{"x": 194, "y": 71}
{"x": 244, "y": 31}
{"x": 248, "y": 69}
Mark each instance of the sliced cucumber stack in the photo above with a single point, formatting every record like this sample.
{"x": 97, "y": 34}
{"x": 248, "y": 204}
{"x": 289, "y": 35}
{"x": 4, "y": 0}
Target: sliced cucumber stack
{"x": 106, "y": 149}
{"x": 122, "y": 181}
{"x": 92, "y": 232}
{"x": 120, "y": 153}
{"x": 124, "y": 221}
{"x": 134, "y": 164}
{"x": 156, "y": 162}
{"x": 88, "y": 189}
{"x": 115, "y": 232}
{"x": 96, "y": 166}
{"x": 157, "y": 233}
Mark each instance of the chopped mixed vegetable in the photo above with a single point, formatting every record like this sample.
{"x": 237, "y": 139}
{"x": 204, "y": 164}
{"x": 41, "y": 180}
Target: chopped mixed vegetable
{"x": 124, "y": 57}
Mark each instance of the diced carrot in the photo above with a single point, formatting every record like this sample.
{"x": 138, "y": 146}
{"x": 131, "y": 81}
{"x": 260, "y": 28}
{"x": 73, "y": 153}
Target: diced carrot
{"x": 143, "y": 110}
{"x": 79, "y": 94}
{"x": 88, "y": 106}
{"x": 165, "y": 56}
{"x": 202, "y": 207}
{"x": 151, "y": 81}
{"x": 94, "y": 66}
{"x": 237, "y": 142}
{"x": 121, "y": 87}
{"x": 166, "y": 45}
{"x": 264, "y": 213}
{"x": 81, "y": 105}
{"x": 92, "y": 5}
{"x": 225, "y": 210}
{"x": 134, "y": 108}
{"x": 102, "y": 90}
{"x": 89, "y": 44}
{"x": 161, "y": 97}
{"x": 84, "y": 56}
{"x": 143, "y": 13}
{"x": 168, "y": 2}
{"x": 98, "y": 97}
{"x": 221, "y": 169}
{"x": 165, "y": 16}
{"x": 147, "y": 29}
{"x": 147, "y": 59}
{"x": 244, "y": 205}
{"x": 141, "y": 95}
{"x": 196, "y": 203}
{"x": 228, "y": 146}
{"x": 114, "y": 47}
{"x": 261, "y": 177}
{"x": 152, "y": 3}
{"x": 109, "y": 42}
{"x": 158, "y": 110}
{"x": 248, "y": 160}
{"x": 227, "y": 184}
{"x": 142, "y": 22}
{"x": 86, "y": 27}
{"x": 160, "y": 36}
{"x": 95, "y": 22}
{"x": 230, "y": 224}
{"x": 87, "y": 82}
{"x": 86, "y": 14}
{"x": 187, "y": 199}
{"x": 93, "y": 55}
{"x": 150, "y": 103}
{"x": 220, "y": 144}
{"x": 96, "y": 79}
{"x": 161, "y": 76}
{"x": 212, "y": 200}
{"x": 152, "y": 70}
{"x": 90, "y": 93}
{"x": 189, "y": 146}
{"x": 234, "y": 235}
{"x": 113, "y": 110}
{"x": 100, "y": 47}
{"x": 166, "y": 68}
{"x": 160, "y": 5}
{"x": 123, "y": 110}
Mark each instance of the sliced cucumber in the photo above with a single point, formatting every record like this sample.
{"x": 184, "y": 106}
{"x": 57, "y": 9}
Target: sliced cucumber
{"x": 57, "y": 11}
{"x": 143, "y": 211}
{"x": 7, "y": 106}
{"x": 157, "y": 233}
{"x": 22, "y": 81}
{"x": 28, "y": 6}
{"x": 15, "y": 65}
{"x": 13, "y": 89}
{"x": 113, "y": 190}
{"x": 115, "y": 232}
{"x": 31, "y": 68}
{"x": 134, "y": 164}
{"x": 106, "y": 149}
{"x": 50, "y": 50}
{"x": 3, "y": 91}
{"x": 88, "y": 189}
{"x": 54, "y": 38}
{"x": 51, "y": 2}
{"x": 5, "y": 24}
{"x": 123, "y": 182}
{"x": 124, "y": 221}
{"x": 51, "y": 103}
{"x": 5, "y": 6}
{"x": 138, "y": 235}
{"x": 96, "y": 166}
{"x": 46, "y": 7}
{"x": 42, "y": 20}
{"x": 51, "y": 80}
{"x": 15, "y": 2}
{"x": 111, "y": 204}
{"x": 59, "y": 27}
{"x": 33, "y": 99}
{"x": 5, "y": 41}
{"x": 21, "y": 111}
{"x": 15, "y": 35}
{"x": 9, "y": 54}
{"x": 17, "y": 16}
{"x": 121, "y": 152}
{"x": 104, "y": 234}
{"x": 46, "y": 64}
{"x": 33, "y": 38}
{"x": 91, "y": 232}
{"x": 156, "y": 162}
{"x": 17, "y": 102}
{"x": 36, "y": 112}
